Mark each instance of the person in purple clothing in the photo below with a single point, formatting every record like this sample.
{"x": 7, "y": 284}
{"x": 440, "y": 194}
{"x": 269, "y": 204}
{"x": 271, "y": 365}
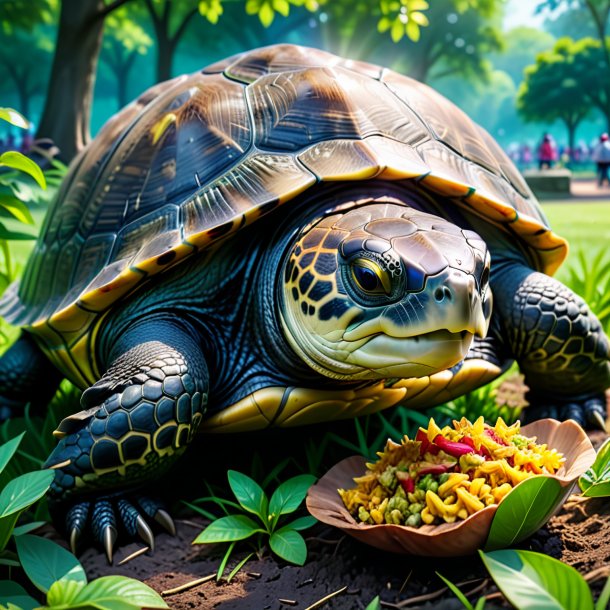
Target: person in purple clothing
{"x": 547, "y": 152}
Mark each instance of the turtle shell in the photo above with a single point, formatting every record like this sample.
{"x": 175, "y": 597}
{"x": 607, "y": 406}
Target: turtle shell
{"x": 196, "y": 158}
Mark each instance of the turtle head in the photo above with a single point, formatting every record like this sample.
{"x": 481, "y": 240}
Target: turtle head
{"x": 384, "y": 291}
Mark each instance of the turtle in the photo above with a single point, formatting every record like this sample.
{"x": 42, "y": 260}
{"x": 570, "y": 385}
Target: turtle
{"x": 284, "y": 237}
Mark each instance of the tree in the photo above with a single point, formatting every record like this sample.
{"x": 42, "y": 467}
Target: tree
{"x": 552, "y": 88}
{"x": 67, "y": 111}
{"x": 599, "y": 11}
{"x": 124, "y": 41}
{"x": 521, "y": 45}
{"x": 24, "y": 66}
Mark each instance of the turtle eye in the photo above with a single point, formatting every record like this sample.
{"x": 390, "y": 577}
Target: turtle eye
{"x": 370, "y": 277}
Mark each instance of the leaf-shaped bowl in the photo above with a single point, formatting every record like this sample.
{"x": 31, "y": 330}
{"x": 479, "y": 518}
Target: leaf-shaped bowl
{"x": 520, "y": 513}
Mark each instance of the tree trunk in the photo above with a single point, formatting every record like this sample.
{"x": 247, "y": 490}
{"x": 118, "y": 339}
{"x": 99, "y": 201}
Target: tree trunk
{"x": 67, "y": 110}
{"x": 571, "y": 125}
{"x": 165, "y": 57}
{"x": 24, "y": 97}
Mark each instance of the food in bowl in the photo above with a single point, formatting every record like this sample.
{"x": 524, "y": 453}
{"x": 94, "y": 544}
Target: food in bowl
{"x": 447, "y": 474}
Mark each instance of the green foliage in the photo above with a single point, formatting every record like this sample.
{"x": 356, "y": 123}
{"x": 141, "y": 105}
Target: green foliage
{"x": 595, "y": 482}
{"x": 59, "y": 575}
{"x": 375, "y": 604}
{"x": 480, "y": 402}
{"x": 403, "y": 18}
{"x": 553, "y": 87}
{"x": 18, "y": 495}
{"x": 267, "y": 9}
{"x": 524, "y": 511}
{"x": 589, "y": 277}
{"x": 284, "y": 540}
{"x": 463, "y": 599}
{"x": 533, "y": 580}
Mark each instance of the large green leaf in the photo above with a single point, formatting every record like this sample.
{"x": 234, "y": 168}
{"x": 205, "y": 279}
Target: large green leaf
{"x": 16, "y": 208}
{"x": 45, "y": 562}
{"x": 16, "y": 160}
{"x": 523, "y": 511}
{"x": 11, "y": 592}
{"x": 14, "y": 118}
{"x": 289, "y": 495}
{"x": 62, "y": 592}
{"x": 302, "y": 523}
{"x": 227, "y": 529}
{"x": 7, "y": 450}
{"x": 249, "y": 494}
{"x": 6, "y": 233}
{"x": 117, "y": 593}
{"x": 596, "y": 481}
{"x": 24, "y": 490}
{"x": 532, "y": 580}
{"x": 289, "y": 545}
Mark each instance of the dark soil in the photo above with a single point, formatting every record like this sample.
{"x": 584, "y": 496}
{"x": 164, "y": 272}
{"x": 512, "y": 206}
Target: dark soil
{"x": 579, "y": 535}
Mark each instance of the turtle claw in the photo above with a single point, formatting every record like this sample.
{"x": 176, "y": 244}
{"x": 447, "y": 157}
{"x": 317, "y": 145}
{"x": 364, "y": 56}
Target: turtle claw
{"x": 109, "y": 536}
{"x": 589, "y": 413}
{"x": 163, "y": 518}
{"x": 106, "y": 516}
{"x": 145, "y": 532}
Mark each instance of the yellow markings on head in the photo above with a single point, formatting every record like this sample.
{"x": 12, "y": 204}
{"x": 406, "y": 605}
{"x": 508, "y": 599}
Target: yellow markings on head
{"x": 160, "y": 127}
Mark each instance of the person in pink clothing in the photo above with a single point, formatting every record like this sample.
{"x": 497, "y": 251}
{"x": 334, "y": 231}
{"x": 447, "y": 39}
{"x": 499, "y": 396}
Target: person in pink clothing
{"x": 547, "y": 152}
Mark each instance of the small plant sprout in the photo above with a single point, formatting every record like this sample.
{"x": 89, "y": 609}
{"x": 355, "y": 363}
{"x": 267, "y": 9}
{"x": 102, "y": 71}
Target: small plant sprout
{"x": 596, "y": 481}
{"x": 284, "y": 538}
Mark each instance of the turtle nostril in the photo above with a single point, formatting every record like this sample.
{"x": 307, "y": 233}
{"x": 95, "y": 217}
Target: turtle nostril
{"x": 442, "y": 293}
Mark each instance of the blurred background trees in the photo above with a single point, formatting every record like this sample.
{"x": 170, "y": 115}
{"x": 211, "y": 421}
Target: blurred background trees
{"x": 69, "y": 64}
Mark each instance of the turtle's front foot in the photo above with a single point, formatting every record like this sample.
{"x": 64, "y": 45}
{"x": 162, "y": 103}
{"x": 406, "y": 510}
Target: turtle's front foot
{"x": 105, "y": 517}
{"x": 588, "y": 413}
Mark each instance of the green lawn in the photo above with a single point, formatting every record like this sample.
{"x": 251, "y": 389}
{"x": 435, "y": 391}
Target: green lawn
{"x": 586, "y": 226}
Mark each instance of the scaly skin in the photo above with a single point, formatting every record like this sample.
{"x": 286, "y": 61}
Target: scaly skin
{"x": 146, "y": 409}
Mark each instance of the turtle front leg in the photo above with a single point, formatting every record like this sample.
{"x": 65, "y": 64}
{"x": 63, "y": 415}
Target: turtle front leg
{"x": 138, "y": 420}
{"x": 559, "y": 345}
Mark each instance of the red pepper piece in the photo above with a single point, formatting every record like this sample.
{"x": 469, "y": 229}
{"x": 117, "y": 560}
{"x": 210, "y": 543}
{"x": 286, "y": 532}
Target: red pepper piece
{"x": 451, "y": 447}
{"x": 406, "y": 482}
{"x": 482, "y": 449}
{"x": 494, "y": 437}
{"x": 435, "y": 469}
{"x": 422, "y": 437}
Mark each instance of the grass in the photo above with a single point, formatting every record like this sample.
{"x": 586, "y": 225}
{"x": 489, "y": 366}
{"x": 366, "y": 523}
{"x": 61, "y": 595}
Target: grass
{"x": 586, "y": 226}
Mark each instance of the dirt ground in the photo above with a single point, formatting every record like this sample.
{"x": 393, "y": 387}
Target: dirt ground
{"x": 579, "y": 535}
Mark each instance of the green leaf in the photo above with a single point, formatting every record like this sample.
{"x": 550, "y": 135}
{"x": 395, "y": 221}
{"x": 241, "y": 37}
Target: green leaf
{"x": 225, "y": 559}
{"x": 266, "y": 14}
{"x": 534, "y": 580}
{"x": 26, "y": 528}
{"x": 11, "y": 592}
{"x": 7, "y": 450}
{"x": 14, "y": 235}
{"x": 14, "y": 118}
{"x": 398, "y": 30}
{"x": 17, "y": 209}
{"x": 24, "y": 490}
{"x": 118, "y": 593}
{"x": 463, "y": 599}
{"x": 595, "y": 482}
{"x": 227, "y": 529}
{"x": 282, "y": 7}
{"x": 249, "y": 494}
{"x": 289, "y": 545}
{"x": 44, "y": 561}
{"x": 238, "y": 567}
{"x": 375, "y": 604}
{"x": 524, "y": 511}
{"x": 63, "y": 591}
{"x": 604, "y": 597}
{"x": 302, "y": 523}
{"x": 16, "y": 160}
{"x": 289, "y": 495}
